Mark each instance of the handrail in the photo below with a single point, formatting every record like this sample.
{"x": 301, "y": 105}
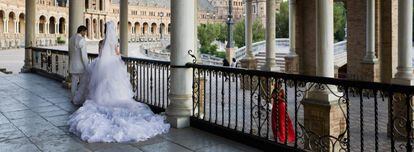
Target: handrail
{"x": 314, "y": 79}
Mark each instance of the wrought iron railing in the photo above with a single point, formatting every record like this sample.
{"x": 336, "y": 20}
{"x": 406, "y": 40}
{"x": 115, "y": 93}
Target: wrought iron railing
{"x": 149, "y": 78}
{"x": 272, "y": 110}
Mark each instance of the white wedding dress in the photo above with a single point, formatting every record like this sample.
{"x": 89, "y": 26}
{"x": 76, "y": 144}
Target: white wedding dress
{"x": 110, "y": 114}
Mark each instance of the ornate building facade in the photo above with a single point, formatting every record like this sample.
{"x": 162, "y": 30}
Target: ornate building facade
{"x": 148, "y": 20}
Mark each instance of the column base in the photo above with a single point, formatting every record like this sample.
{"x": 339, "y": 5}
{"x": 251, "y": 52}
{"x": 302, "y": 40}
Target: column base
{"x": 400, "y": 112}
{"x": 272, "y": 68}
{"x": 322, "y": 120}
{"x": 370, "y": 71}
{"x": 250, "y": 64}
{"x": 26, "y": 69}
{"x": 179, "y": 122}
{"x": 292, "y": 64}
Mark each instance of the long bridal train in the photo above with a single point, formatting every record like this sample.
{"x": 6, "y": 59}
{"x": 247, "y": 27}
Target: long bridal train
{"x": 109, "y": 113}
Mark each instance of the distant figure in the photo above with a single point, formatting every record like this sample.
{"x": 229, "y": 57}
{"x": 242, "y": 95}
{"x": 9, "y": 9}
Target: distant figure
{"x": 234, "y": 63}
{"x": 226, "y": 63}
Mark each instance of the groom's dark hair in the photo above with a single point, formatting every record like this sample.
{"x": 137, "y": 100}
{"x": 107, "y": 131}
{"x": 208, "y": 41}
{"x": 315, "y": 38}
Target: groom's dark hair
{"x": 82, "y": 28}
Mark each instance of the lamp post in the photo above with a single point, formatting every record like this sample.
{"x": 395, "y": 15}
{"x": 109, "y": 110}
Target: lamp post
{"x": 229, "y": 46}
{"x": 161, "y": 15}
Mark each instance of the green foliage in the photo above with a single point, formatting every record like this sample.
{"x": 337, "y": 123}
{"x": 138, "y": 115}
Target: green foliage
{"x": 207, "y": 33}
{"x": 60, "y": 40}
{"x": 239, "y": 30}
{"x": 339, "y": 21}
{"x": 282, "y": 21}
{"x": 220, "y": 54}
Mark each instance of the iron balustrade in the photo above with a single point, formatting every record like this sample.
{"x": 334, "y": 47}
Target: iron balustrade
{"x": 253, "y": 107}
{"x": 149, "y": 78}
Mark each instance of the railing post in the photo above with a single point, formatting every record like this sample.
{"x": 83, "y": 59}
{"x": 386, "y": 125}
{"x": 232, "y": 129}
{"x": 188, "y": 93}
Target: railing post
{"x": 183, "y": 39}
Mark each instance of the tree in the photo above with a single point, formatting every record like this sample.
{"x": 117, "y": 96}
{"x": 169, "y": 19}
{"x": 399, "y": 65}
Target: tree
{"x": 206, "y": 34}
{"x": 239, "y": 32}
{"x": 282, "y": 21}
{"x": 339, "y": 21}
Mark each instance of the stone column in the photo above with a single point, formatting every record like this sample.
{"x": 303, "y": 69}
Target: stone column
{"x": 270, "y": 36}
{"x": 16, "y": 27}
{"x": 291, "y": 60}
{"x": 57, "y": 28}
{"x": 37, "y": 28}
{"x": 76, "y": 15}
{"x": 404, "y": 75}
{"x": 322, "y": 113}
{"x": 30, "y": 35}
{"x": 370, "y": 57}
{"x": 123, "y": 23}
{"x": 183, "y": 38}
{"x": 249, "y": 61}
{"x": 6, "y": 25}
{"x": 47, "y": 26}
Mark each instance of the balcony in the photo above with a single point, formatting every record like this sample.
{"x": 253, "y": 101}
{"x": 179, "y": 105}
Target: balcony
{"x": 242, "y": 105}
{"x": 34, "y": 111}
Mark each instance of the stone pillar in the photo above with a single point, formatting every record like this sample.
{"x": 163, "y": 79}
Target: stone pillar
{"x": 30, "y": 35}
{"x": 404, "y": 75}
{"x": 322, "y": 113}
{"x": 6, "y": 25}
{"x": 370, "y": 36}
{"x": 57, "y": 28}
{"x": 249, "y": 61}
{"x": 291, "y": 60}
{"x": 123, "y": 23}
{"x": 16, "y": 25}
{"x": 76, "y": 15}
{"x": 270, "y": 36}
{"x": 183, "y": 38}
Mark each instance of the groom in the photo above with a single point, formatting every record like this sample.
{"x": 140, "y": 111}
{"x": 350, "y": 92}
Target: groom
{"x": 78, "y": 57}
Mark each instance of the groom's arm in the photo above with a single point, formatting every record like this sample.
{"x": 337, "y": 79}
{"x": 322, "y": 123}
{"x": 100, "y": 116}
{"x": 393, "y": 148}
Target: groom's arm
{"x": 84, "y": 52}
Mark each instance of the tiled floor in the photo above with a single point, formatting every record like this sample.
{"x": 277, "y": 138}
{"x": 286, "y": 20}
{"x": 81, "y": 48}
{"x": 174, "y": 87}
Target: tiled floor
{"x": 34, "y": 111}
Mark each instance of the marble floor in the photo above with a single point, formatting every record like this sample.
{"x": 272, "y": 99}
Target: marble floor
{"x": 34, "y": 111}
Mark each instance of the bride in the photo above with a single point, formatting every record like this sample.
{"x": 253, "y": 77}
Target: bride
{"x": 109, "y": 113}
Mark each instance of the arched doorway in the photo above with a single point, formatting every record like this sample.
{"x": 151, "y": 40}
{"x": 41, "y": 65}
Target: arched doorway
{"x": 1, "y": 21}
{"x": 153, "y": 28}
{"x": 95, "y": 29}
{"x": 169, "y": 29}
{"x": 62, "y": 27}
{"x": 102, "y": 28}
{"x": 145, "y": 28}
{"x": 86, "y": 4}
{"x": 162, "y": 28}
{"x": 21, "y": 23}
{"x": 52, "y": 25}
{"x": 42, "y": 24}
{"x": 129, "y": 27}
{"x": 12, "y": 25}
{"x": 88, "y": 25}
{"x": 137, "y": 26}
{"x": 101, "y": 5}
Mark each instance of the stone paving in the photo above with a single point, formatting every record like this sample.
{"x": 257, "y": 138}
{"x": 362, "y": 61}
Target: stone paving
{"x": 34, "y": 111}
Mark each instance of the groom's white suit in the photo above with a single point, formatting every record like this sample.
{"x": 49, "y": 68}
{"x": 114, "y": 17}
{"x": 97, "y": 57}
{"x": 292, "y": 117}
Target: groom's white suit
{"x": 78, "y": 60}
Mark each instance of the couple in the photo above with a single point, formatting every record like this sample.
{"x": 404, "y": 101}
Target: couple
{"x": 109, "y": 113}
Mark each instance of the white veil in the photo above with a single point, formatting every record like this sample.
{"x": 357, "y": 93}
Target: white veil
{"x": 109, "y": 80}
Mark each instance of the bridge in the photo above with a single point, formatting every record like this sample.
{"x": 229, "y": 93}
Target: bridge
{"x": 282, "y": 46}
